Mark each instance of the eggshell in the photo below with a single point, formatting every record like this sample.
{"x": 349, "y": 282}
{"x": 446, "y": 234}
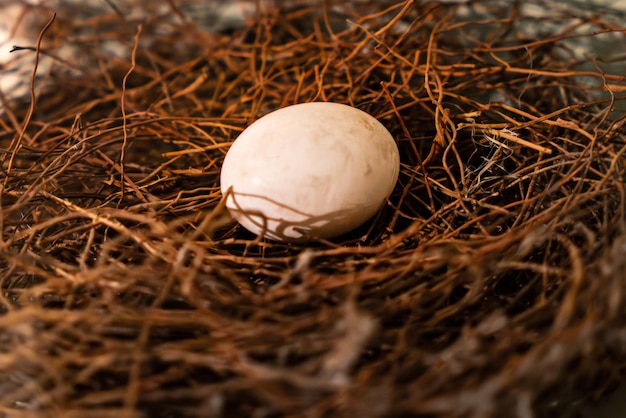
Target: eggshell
{"x": 311, "y": 170}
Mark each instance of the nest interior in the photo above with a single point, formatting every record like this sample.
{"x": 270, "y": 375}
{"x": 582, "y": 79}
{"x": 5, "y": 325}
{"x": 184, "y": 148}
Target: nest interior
{"x": 492, "y": 283}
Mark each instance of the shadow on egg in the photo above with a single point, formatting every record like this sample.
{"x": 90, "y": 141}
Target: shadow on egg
{"x": 300, "y": 226}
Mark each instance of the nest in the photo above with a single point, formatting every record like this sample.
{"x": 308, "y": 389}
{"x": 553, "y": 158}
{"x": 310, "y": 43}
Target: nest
{"x": 492, "y": 283}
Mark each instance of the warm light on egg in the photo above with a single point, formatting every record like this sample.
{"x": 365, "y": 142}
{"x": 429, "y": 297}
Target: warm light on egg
{"x": 311, "y": 170}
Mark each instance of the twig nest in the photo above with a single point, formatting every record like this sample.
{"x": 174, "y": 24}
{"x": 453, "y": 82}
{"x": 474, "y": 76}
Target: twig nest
{"x": 311, "y": 170}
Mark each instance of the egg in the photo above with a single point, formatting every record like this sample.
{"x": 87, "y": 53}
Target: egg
{"x": 310, "y": 170}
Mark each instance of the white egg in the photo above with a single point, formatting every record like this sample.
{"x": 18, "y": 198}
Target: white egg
{"x": 311, "y": 170}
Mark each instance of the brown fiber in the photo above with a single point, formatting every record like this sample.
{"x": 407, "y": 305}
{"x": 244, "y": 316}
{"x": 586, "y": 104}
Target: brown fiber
{"x": 492, "y": 284}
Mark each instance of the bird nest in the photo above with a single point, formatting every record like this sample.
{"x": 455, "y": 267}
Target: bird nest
{"x": 492, "y": 283}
